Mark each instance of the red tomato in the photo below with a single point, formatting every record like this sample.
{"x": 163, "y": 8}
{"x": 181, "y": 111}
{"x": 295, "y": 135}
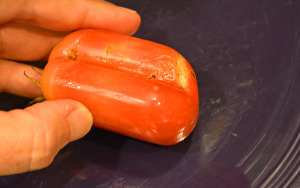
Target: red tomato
{"x": 134, "y": 87}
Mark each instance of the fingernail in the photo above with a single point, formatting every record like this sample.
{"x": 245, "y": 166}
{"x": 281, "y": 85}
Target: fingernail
{"x": 129, "y": 10}
{"x": 80, "y": 121}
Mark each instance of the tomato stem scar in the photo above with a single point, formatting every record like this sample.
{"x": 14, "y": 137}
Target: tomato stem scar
{"x": 72, "y": 54}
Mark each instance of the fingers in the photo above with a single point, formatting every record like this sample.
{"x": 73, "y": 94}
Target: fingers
{"x": 45, "y": 22}
{"x": 31, "y": 138}
{"x": 69, "y": 15}
{"x": 26, "y": 42}
{"x": 13, "y": 80}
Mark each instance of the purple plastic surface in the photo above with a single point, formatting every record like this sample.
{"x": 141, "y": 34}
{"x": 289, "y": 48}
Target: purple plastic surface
{"x": 246, "y": 55}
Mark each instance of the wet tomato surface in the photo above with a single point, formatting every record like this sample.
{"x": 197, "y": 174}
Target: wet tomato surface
{"x": 132, "y": 86}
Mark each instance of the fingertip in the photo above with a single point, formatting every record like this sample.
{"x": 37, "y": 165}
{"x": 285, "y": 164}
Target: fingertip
{"x": 128, "y": 10}
{"x": 135, "y": 20}
{"x": 120, "y": 19}
{"x": 114, "y": 18}
{"x": 80, "y": 121}
{"x": 137, "y": 24}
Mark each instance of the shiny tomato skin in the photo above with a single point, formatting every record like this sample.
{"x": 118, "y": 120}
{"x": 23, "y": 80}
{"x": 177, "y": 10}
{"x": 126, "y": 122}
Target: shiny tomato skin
{"x": 133, "y": 87}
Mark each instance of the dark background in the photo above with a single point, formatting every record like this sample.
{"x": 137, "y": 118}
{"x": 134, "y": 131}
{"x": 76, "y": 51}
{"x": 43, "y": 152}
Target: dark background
{"x": 246, "y": 55}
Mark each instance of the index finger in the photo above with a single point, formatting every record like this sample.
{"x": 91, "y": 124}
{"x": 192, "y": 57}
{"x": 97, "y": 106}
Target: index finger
{"x": 67, "y": 15}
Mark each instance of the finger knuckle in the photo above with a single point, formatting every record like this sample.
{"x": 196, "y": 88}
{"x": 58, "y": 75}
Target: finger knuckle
{"x": 48, "y": 146}
{"x": 44, "y": 145}
{"x": 43, "y": 153}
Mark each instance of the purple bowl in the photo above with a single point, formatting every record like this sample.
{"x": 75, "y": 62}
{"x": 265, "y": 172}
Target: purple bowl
{"x": 246, "y": 55}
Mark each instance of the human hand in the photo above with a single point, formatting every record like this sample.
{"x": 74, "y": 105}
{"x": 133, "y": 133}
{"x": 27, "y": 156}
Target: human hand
{"x": 30, "y": 138}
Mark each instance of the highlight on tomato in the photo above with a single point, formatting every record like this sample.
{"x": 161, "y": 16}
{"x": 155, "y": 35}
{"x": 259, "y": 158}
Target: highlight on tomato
{"x": 132, "y": 86}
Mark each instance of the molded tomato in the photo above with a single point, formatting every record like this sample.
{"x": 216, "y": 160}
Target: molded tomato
{"x": 134, "y": 87}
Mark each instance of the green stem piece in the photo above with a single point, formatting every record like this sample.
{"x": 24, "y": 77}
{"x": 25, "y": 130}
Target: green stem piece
{"x": 36, "y": 70}
{"x": 36, "y": 100}
{"x": 33, "y": 80}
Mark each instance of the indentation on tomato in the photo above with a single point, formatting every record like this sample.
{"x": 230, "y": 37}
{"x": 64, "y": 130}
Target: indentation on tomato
{"x": 182, "y": 71}
{"x": 108, "y": 49}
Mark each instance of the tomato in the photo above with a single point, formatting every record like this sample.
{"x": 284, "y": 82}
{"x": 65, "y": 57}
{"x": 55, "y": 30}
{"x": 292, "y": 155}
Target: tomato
{"x": 133, "y": 87}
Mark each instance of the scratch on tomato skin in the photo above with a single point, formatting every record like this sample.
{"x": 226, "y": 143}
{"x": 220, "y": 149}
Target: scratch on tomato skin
{"x": 193, "y": 74}
{"x": 152, "y": 76}
{"x": 72, "y": 54}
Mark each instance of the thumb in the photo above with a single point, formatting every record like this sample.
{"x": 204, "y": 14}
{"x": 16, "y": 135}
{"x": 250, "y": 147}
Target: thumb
{"x": 30, "y": 138}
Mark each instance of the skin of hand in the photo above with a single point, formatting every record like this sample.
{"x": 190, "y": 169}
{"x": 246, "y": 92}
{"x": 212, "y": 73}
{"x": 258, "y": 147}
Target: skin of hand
{"x": 30, "y": 138}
